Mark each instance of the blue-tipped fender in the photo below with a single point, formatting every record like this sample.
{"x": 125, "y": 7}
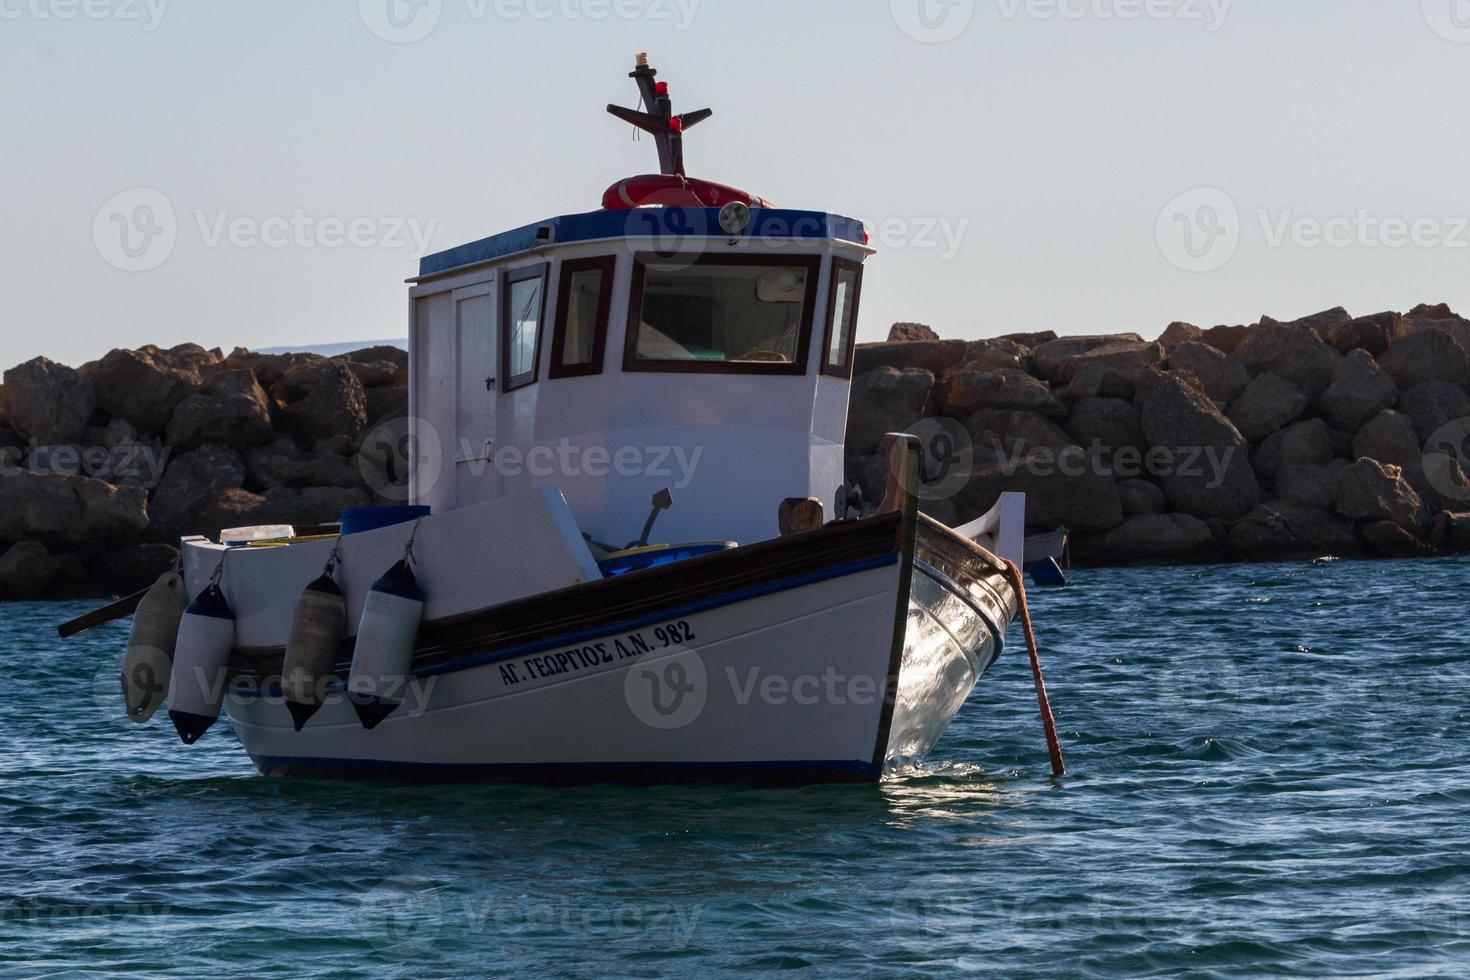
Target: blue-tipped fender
{"x": 201, "y": 663}
{"x": 386, "y": 638}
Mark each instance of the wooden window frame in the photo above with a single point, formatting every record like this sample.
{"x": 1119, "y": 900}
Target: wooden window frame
{"x": 608, "y": 266}
{"x": 633, "y": 365}
{"x": 511, "y": 278}
{"x": 844, "y": 369}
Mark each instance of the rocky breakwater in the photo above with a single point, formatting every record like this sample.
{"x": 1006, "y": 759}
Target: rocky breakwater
{"x": 104, "y": 467}
{"x": 1328, "y": 435}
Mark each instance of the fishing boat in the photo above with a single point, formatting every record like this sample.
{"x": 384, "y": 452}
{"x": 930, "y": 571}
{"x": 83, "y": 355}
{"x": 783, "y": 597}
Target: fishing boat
{"x": 559, "y": 601}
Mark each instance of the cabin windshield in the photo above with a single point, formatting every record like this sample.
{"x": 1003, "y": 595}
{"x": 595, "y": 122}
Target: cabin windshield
{"x": 723, "y": 315}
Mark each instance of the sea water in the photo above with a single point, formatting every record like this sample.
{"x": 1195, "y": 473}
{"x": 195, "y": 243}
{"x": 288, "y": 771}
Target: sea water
{"x": 1269, "y": 774}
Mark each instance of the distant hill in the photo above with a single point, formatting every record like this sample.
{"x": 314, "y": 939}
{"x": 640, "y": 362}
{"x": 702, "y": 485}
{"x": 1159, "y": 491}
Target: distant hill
{"x": 332, "y": 350}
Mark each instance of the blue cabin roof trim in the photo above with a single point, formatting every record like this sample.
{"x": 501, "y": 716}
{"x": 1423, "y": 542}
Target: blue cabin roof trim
{"x": 667, "y": 226}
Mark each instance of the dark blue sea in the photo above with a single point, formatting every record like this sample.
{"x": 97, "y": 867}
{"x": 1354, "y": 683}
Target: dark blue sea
{"x": 1270, "y": 775}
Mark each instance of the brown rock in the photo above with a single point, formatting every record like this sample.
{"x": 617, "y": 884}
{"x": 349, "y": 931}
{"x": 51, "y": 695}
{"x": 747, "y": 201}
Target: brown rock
{"x": 1102, "y": 381}
{"x": 190, "y": 485}
{"x": 1443, "y": 482}
{"x": 1062, "y": 487}
{"x": 1430, "y": 355}
{"x": 1180, "y": 332}
{"x": 319, "y": 401}
{"x": 1359, "y": 391}
{"x": 27, "y": 571}
{"x": 1056, "y": 359}
{"x": 376, "y": 374}
{"x": 1306, "y": 443}
{"x": 1152, "y": 537}
{"x": 269, "y": 369}
{"x": 935, "y": 356}
{"x": 69, "y": 508}
{"x": 231, "y": 409}
{"x": 396, "y": 356}
{"x": 1141, "y": 497}
{"x": 1455, "y": 327}
{"x": 1368, "y": 490}
{"x": 1000, "y": 432}
{"x": 1374, "y": 334}
{"x": 386, "y": 403}
{"x": 144, "y": 386}
{"x": 1268, "y": 403}
{"x": 1432, "y": 405}
{"x": 982, "y": 355}
{"x": 1393, "y": 541}
{"x": 1226, "y": 339}
{"x": 1107, "y": 425}
{"x": 1439, "y": 311}
{"x": 1032, "y": 340}
{"x": 48, "y": 402}
{"x": 903, "y": 332}
{"x": 885, "y": 400}
{"x": 1318, "y": 323}
{"x": 1223, "y": 377}
{"x": 965, "y": 392}
{"x": 1209, "y": 473}
{"x": 1292, "y": 352}
{"x": 1389, "y": 438}
{"x": 284, "y": 464}
{"x": 1286, "y": 529}
{"x": 1312, "y": 484}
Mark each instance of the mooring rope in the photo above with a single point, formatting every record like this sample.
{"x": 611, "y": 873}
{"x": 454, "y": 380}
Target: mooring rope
{"x": 1048, "y": 722}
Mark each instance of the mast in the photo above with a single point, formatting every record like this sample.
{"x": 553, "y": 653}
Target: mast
{"x": 659, "y": 121}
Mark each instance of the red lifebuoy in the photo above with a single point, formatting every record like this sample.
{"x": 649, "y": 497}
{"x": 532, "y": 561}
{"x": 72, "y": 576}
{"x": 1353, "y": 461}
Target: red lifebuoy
{"x": 671, "y": 190}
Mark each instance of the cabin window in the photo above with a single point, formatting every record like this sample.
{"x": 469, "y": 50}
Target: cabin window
{"x": 520, "y": 326}
{"x": 842, "y": 313}
{"x": 583, "y": 303}
{"x": 722, "y": 314}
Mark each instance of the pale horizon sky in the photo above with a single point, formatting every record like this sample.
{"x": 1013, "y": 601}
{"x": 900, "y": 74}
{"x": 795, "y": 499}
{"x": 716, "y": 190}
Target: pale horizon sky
{"x": 1082, "y": 166}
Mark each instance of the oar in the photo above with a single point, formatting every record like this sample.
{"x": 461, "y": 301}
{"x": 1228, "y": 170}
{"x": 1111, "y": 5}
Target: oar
{"x": 121, "y": 609}
{"x": 1049, "y": 723}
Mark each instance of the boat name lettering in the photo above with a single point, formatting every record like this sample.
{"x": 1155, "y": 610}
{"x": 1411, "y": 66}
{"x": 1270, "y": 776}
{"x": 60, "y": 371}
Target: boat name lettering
{"x": 599, "y": 654}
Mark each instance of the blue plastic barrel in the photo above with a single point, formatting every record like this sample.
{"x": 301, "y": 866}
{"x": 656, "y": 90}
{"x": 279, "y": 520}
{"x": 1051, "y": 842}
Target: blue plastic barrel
{"x": 356, "y": 520}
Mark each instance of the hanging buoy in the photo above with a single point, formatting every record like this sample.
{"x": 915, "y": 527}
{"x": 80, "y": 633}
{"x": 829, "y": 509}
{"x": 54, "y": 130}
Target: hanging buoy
{"x": 206, "y": 639}
{"x": 150, "y": 655}
{"x": 317, "y": 628}
{"x": 386, "y": 638}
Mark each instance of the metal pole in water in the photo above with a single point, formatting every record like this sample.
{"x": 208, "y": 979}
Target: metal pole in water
{"x": 1048, "y": 722}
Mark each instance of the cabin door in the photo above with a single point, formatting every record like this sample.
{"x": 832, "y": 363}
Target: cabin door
{"x": 473, "y": 451}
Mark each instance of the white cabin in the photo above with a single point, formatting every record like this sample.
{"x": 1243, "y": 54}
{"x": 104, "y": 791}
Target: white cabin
{"x": 615, "y": 354}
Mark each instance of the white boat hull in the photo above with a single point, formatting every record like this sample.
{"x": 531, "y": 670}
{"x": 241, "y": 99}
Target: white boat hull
{"x": 811, "y": 677}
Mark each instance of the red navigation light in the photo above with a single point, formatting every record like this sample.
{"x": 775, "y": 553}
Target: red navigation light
{"x": 662, "y": 88}
{"x": 676, "y": 124}
{"x": 867, "y": 238}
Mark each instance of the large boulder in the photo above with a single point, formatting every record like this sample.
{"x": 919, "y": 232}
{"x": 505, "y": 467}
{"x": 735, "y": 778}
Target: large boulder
{"x": 231, "y": 409}
{"x": 1368, "y": 490}
{"x": 1389, "y": 438}
{"x": 1457, "y": 327}
{"x": 1318, "y": 323}
{"x": 378, "y": 367}
{"x": 74, "y": 509}
{"x": 1430, "y": 355}
{"x": 1226, "y": 339}
{"x": 268, "y": 369}
{"x": 1294, "y": 353}
{"x": 1223, "y": 377}
{"x": 321, "y": 400}
{"x": 1123, "y": 357}
{"x": 1360, "y": 390}
{"x": 997, "y": 433}
{"x": 1107, "y": 425}
{"x": 190, "y": 485}
{"x": 1058, "y": 360}
{"x": 935, "y": 356}
{"x": 1062, "y": 487}
{"x": 885, "y": 400}
{"x": 1268, "y": 404}
{"x": 1312, "y": 484}
{"x": 1391, "y": 540}
{"x": 1432, "y": 405}
{"x": 386, "y": 403}
{"x": 1373, "y": 334}
{"x": 144, "y": 386}
{"x": 131, "y": 568}
{"x": 1141, "y": 497}
{"x": 27, "y": 571}
{"x": 1287, "y": 529}
{"x": 903, "y": 332}
{"x": 48, "y": 402}
{"x": 284, "y": 464}
{"x": 1153, "y": 537}
{"x": 1209, "y": 473}
{"x": 1180, "y": 332}
{"x": 965, "y": 392}
{"x": 983, "y": 355}
{"x": 1031, "y": 339}
{"x": 1306, "y": 443}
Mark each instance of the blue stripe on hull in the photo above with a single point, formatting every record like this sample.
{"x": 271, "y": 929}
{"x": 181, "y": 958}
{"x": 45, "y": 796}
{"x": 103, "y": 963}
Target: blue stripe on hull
{"x": 792, "y": 773}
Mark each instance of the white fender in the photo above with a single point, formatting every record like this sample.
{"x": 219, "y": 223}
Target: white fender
{"x": 386, "y": 638}
{"x": 206, "y": 638}
{"x": 149, "y": 659}
{"x": 317, "y": 628}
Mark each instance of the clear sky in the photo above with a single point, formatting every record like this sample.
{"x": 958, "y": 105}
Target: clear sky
{"x": 1074, "y": 165}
